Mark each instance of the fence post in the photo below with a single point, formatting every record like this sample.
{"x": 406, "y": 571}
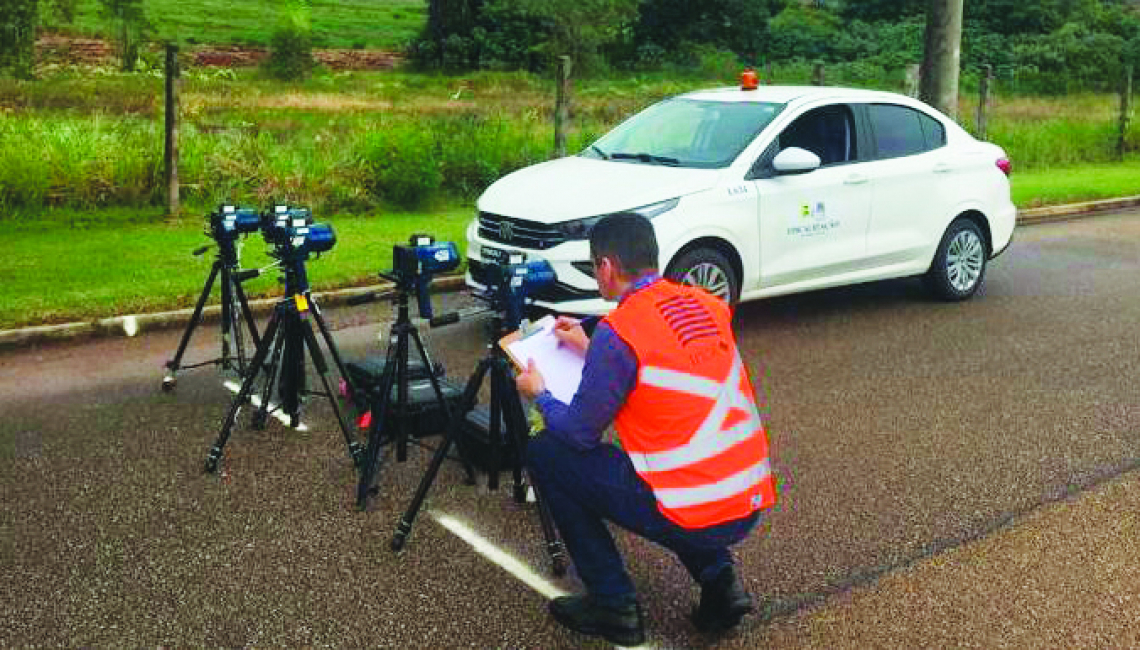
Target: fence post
{"x": 769, "y": 78}
{"x": 984, "y": 99}
{"x": 913, "y": 73}
{"x": 170, "y": 155}
{"x": 1125, "y": 111}
{"x": 562, "y": 106}
{"x": 817, "y": 74}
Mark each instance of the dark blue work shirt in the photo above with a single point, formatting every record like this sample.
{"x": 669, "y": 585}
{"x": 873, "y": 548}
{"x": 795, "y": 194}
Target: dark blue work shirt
{"x": 608, "y": 377}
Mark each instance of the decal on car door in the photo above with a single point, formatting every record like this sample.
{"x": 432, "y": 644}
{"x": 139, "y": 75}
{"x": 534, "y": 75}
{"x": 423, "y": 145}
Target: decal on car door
{"x": 813, "y": 221}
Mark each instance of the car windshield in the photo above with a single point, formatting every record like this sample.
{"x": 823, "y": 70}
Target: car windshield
{"x": 686, "y": 133}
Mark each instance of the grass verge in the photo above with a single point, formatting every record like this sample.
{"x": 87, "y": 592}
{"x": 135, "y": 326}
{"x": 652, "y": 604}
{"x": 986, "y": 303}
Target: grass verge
{"x": 122, "y": 265}
{"x": 84, "y": 265}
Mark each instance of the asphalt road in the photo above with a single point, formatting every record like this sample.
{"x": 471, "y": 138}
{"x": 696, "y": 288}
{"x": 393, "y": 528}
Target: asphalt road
{"x": 901, "y": 428}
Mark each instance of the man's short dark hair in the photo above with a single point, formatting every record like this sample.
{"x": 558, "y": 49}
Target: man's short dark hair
{"x": 629, "y": 238}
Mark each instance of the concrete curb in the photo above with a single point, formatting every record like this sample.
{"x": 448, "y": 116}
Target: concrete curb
{"x": 133, "y": 324}
{"x": 1074, "y": 210}
{"x": 136, "y": 323}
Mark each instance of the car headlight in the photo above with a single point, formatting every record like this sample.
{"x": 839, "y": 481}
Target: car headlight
{"x": 579, "y": 229}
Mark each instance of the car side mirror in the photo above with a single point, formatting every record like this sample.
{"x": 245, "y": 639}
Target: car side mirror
{"x": 795, "y": 160}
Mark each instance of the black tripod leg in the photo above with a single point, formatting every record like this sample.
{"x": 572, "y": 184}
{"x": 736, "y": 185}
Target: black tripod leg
{"x": 170, "y": 379}
{"x": 215, "y": 454}
{"x": 227, "y": 316}
{"x": 242, "y": 318}
{"x": 276, "y": 338}
{"x": 355, "y": 449}
{"x": 293, "y": 384}
{"x": 447, "y": 412}
{"x": 247, "y": 313}
{"x": 379, "y": 410}
{"x": 315, "y": 310}
{"x": 519, "y": 436}
{"x": 470, "y": 393}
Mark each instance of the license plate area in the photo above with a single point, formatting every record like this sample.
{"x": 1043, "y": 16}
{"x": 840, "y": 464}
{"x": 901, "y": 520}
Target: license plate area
{"x": 501, "y": 257}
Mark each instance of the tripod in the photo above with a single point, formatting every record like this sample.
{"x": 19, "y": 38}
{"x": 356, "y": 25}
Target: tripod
{"x": 506, "y": 412}
{"x": 234, "y": 303}
{"x": 396, "y": 374}
{"x": 287, "y": 337}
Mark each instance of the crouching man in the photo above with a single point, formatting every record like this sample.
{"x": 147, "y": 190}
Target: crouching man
{"x": 690, "y": 471}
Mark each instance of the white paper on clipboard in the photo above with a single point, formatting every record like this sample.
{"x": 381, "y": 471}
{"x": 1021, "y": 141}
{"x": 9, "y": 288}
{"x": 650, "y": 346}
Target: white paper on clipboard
{"x": 561, "y": 367}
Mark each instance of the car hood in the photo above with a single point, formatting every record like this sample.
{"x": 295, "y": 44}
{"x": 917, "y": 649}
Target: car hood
{"x": 576, "y": 187}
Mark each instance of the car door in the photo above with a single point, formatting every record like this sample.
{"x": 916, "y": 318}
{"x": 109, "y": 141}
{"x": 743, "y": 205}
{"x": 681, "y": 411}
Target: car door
{"x": 813, "y": 225}
{"x": 913, "y": 181}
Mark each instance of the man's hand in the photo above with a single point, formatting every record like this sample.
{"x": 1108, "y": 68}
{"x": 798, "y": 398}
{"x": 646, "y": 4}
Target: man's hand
{"x": 569, "y": 333}
{"x": 530, "y": 382}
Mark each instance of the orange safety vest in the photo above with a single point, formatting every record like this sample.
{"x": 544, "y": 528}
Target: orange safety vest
{"x": 690, "y": 425}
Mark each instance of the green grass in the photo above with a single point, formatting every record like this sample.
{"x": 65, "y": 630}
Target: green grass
{"x": 79, "y": 266}
{"x": 338, "y": 24}
{"x": 1062, "y": 185}
{"x": 82, "y": 265}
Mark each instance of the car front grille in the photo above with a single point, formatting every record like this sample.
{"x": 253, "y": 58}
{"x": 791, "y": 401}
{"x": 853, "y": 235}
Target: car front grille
{"x": 518, "y": 232}
{"x": 554, "y": 293}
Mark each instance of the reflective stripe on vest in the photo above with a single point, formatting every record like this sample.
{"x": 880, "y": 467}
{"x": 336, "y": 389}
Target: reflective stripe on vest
{"x": 709, "y": 440}
{"x": 694, "y": 496}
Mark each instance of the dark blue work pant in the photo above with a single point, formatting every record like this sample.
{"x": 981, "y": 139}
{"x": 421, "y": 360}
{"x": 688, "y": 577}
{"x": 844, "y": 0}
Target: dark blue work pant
{"x": 583, "y": 489}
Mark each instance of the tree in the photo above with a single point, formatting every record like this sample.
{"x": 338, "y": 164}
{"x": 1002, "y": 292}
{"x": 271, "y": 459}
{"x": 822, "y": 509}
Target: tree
{"x": 872, "y": 11}
{"x": 938, "y": 84}
{"x": 738, "y": 25}
{"x": 18, "y": 20}
{"x": 579, "y": 28}
{"x": 130, "y": 26}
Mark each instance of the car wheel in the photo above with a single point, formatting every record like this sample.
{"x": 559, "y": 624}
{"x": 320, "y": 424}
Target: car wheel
{"x": 959, "y": 263}
{"x": 708, "y": 269}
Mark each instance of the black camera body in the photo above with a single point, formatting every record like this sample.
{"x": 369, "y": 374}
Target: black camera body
{"x": 229, "y": 222}
{"x": 293, "y": 234}
{"x": 510, "y": 285}
{"x": 415, "y": 264}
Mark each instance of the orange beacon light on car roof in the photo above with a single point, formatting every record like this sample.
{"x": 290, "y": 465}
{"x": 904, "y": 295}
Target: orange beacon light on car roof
{"x": 749, "y": 80}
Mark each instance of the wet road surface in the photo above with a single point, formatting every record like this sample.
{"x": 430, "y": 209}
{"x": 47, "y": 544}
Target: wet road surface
{"x": 901, "y": 428}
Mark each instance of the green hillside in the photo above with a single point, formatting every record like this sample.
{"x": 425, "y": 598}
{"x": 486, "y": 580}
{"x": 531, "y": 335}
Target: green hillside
{"x": 371, "y": 24}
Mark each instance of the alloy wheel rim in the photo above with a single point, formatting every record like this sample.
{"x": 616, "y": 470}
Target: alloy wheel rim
{"x": 964, "y": 259}
{"x": 711, "y": 277}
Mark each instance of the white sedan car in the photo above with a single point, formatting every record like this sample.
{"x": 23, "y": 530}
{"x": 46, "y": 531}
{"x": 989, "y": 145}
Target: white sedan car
{"x": 757, "y": 193}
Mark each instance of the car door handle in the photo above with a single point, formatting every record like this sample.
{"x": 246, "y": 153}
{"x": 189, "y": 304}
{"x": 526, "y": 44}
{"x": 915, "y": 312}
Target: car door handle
{"x": 942, "y": 168}
{"x": 855, "y": 179}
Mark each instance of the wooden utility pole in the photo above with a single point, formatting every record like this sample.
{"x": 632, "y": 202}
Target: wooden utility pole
{"x": 170, "y": 155}
{"x": 938, "y": 82}
{"x": 562, "y": 106}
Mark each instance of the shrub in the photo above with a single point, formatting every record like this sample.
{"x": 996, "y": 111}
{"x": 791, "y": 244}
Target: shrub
{"x": 401, "y": 164}
{"x": 291, "y": 45}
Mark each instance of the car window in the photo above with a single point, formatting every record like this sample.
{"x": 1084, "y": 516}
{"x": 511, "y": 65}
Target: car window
{"x": 903, "y": 131}
{"x": 686, "y": 133}
{"x": 828, "y": 132}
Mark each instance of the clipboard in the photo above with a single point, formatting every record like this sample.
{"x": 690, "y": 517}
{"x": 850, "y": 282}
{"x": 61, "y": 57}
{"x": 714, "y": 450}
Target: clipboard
{"x": 560, "y": 366}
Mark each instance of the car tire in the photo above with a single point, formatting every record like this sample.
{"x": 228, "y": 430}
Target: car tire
{"x": 959, "y": 265}
{"x": 709, "y": 269}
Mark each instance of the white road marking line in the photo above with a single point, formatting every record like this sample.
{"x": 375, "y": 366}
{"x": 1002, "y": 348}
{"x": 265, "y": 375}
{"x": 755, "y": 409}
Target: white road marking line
{"x": 256, "y": 401}
{"x": 506, "y": 561}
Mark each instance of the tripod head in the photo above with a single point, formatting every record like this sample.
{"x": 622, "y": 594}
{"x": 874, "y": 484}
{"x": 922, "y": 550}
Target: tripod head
{"x": 510, "y": 285}
{"x": 413, "y": 266}
{"x": 293, "y": 236}
{"x": 225, "y": 225}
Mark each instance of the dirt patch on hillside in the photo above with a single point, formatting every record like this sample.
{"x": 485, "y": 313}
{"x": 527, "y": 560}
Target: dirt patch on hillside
{"x": 86, "y": 51}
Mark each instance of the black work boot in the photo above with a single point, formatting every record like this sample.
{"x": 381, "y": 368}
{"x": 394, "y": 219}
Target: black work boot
{"x": 619, "y": 625}
{"x": 723, "y": 602}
